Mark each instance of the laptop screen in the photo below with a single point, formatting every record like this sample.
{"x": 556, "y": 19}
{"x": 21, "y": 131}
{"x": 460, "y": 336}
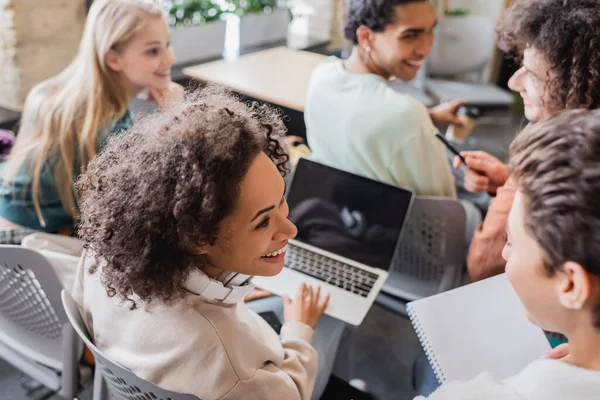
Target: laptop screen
{"x": 346, "y": 214}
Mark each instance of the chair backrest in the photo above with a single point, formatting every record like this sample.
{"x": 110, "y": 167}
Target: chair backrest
{"x": 31, "y": 315}
{"x": 122, "y": 384}
{"x": 430, "y": 256}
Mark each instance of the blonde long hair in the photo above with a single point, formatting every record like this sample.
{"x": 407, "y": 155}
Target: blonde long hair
{"x": 64, "y": 115}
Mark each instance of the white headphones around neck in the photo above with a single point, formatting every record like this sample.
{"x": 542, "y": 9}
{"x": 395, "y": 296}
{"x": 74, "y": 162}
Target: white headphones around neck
{"x": 228, "y": 287}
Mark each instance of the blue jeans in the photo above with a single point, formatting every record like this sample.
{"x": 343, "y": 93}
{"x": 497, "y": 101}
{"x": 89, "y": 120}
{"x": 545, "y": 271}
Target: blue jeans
{"x": 424, "y": 379}
{"x": 326, "y": 340}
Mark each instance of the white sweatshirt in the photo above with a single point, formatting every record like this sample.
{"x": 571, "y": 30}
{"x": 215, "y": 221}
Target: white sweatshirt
{"x": 541, "y": 380}
{"x": 199, "y": 347}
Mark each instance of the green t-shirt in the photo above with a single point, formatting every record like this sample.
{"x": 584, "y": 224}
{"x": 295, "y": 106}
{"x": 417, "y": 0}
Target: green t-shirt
{"x": 358, "y": 123}
{"x": 16, "y": 201}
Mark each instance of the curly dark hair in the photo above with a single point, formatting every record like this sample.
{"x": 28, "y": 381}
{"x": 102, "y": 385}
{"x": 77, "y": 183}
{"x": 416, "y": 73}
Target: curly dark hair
{"x": 557, "y": 166}
{"x": 160, "y": 191}
{"x": 567, "y": 33}
{"x": 374, "y": 14}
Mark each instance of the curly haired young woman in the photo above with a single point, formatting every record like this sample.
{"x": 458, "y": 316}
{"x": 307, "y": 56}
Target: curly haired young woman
{"x": 173, "y": 214}
{"x": 558, "y": 43}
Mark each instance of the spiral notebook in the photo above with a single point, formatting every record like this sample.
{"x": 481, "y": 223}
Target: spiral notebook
{"x": 481, "y": 327}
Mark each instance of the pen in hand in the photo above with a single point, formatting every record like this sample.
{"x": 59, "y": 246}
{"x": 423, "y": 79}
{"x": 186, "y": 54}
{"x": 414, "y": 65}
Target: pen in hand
{"x": 451, "y": 148}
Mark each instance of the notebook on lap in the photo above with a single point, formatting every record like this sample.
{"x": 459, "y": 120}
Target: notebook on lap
{"x": 481, "y": 327}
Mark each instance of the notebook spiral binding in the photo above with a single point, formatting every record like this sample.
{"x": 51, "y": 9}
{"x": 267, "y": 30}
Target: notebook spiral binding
{"x": 426, "y": 345}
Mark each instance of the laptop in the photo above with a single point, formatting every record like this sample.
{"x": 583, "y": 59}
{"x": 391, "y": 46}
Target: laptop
{"x": 348, "y": 229}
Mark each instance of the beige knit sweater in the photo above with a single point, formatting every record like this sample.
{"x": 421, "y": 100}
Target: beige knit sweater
{"x": 199, "y": 347}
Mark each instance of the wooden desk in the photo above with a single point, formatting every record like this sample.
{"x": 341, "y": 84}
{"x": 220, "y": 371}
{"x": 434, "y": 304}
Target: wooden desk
{"x": 279, "y": 75}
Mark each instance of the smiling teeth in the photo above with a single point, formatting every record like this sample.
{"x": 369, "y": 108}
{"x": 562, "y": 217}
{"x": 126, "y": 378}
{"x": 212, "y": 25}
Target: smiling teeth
{"x": 276, "y": 253}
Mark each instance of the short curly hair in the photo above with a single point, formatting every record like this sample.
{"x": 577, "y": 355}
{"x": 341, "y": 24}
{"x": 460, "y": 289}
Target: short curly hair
{"x": 567, "y": 33}
{"x": 557, "y": 167}
{"x": 160, "y": 191}
{"x": 374, "y": 14}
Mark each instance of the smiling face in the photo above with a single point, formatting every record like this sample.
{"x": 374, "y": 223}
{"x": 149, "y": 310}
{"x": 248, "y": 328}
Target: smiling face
{"x": 530, "y": 81}
{"x": 403, "y": 45}
{"x": 146, "y": 60}
{"x": 252, "y": 240}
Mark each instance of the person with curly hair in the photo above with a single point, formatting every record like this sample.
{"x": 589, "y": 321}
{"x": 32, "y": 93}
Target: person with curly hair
{"x": 177, "y": 215}
{"x": 356, "y": 122}
{"x": 553, "y": 259}
{"x": 558, "y": 43}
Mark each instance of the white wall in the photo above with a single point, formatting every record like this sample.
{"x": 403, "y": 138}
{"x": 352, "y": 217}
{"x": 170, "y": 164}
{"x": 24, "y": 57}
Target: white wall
{"x": 312, "y": 17}
{"x": 489, "y": 8}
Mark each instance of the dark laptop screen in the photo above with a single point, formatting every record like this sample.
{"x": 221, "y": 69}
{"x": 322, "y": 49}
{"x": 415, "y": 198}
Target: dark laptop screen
{"x": 346, "y": 214}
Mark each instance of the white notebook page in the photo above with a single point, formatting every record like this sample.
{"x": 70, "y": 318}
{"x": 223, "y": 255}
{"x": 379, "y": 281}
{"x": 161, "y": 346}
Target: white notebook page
{"x": 477, "y": 328}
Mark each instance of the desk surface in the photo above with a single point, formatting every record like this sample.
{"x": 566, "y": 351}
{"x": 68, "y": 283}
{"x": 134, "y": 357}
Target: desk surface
{"x": 279, "y": 76}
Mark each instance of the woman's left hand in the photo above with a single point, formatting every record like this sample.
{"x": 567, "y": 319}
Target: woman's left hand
{"x": 445, "y": 113}
{"x": 162, "y": 97}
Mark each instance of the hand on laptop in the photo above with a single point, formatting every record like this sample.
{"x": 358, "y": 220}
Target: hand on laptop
{"x": 307, "y": 306}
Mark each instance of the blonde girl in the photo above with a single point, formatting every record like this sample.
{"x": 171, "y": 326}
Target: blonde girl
{"x": 68, "y": 118}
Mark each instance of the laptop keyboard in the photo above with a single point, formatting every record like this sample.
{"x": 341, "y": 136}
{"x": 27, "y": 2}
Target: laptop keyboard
{"x": 333, "y": 272}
